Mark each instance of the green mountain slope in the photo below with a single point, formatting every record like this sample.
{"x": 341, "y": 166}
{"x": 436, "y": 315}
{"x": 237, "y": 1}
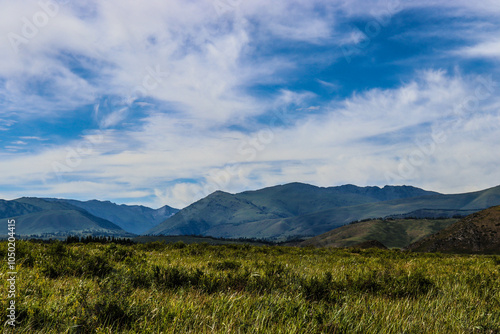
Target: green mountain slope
{"x": 392, "y": 232}
{"x": 277, "y": 214}
{"x": 323, "y": 221}
{"x": 135, "y": 219}
{"x": 219, "y": 213}
{"x": 57, "y": 219}
{"x": 476, "y": 233}
{"x": 12, "y": 208}
{"x": 217, "y": 209}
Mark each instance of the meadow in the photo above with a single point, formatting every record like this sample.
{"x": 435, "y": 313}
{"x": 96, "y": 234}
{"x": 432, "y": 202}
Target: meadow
{"x": 201, "y": 288}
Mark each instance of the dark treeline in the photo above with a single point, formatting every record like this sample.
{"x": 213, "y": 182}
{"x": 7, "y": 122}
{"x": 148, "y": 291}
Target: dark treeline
{"x": 99, "y": 239}
{"x": 395, "y": 218}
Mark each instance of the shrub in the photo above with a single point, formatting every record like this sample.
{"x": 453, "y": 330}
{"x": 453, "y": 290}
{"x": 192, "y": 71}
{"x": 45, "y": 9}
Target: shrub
{"x": 61, "y": 261}
{"x": 385, "y": 283}
{"x": 225, "y": 265}
{"x": 178, "y": 245}
{"x": 320, "y": 288}
{"x": 153, "y": 246}
{"x": 93, "y": 266}
{"x": 119, "y": 253}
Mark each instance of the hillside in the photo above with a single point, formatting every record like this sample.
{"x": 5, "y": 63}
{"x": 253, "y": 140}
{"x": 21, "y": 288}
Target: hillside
{"x": 393, "y": 233}
{"x": 12, "y": 208}
{"x": 212, "y": 211}
{"x": 298, "y": 210}
{"x": 135, "y": 219}
{"x": 219, "y": 213}
{"x": 476, "y": 233}
{"x": 320, "y": 222}
{"x": 36, "y": 216}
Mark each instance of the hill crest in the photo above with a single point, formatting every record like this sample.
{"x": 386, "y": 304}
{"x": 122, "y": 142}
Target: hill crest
{"x": 476, "y": 233}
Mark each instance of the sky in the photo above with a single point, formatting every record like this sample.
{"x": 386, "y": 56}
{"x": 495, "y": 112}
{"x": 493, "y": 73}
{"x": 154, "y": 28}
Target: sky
{"x": 163, "y": 102}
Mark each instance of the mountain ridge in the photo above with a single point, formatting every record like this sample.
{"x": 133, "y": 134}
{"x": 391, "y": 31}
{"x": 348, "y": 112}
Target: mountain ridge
{"x": 279, "y": 213}
{"x": 275, "y": 214}
{"x": 135, "y": 219}
{"x": 45, "y": 218}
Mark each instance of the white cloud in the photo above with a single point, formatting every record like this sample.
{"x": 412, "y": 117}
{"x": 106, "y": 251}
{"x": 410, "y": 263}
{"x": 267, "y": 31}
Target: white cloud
{"x": 196, "y": 64}
{"x": 179, "y": 195}
{"x": 488, "y": 49}
{"x": 333, "y": 147}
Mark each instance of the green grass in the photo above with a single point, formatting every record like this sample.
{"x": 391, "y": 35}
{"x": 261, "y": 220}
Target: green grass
{"x": 201, "y": 288}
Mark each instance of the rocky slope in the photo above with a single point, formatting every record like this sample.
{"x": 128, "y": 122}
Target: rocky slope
{"x": 476, "y": 233}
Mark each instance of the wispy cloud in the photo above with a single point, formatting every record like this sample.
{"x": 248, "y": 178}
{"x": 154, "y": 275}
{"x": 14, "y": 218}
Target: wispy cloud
{"x": 162, "y": 103}
{"x": 488, "y": 49}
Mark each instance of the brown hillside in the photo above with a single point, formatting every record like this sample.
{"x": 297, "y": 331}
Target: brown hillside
{"x": 370, "y": 244}
{"x": 476, "y": 233}
{"x": 393, "y": 233}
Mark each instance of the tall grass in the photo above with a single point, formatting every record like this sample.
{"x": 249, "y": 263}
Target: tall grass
{"x": 198, "y": 288}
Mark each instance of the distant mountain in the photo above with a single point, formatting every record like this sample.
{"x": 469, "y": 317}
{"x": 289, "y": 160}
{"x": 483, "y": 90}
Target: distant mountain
{"x": 476, "y": 233}
{"x": 300, "y": 210}
{"x": 135, "y": 219}
{"x": 217, "y": 209}
{"x": 10, "y": 209}
{"x": 323, "y": 221}
{"x": 393, "y": 233}
{"x": 278, "y": 213}
{"x": 35, "y": 216}
{"x": 265, "y": 213}
{"x": 296, "y": 199}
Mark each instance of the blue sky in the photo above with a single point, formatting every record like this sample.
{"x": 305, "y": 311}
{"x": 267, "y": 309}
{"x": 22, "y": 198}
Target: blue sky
{"x": 160, "y": 103}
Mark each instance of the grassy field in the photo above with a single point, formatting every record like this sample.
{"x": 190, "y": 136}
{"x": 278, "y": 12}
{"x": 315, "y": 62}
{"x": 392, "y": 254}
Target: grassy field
{"x": 201, "y": 288}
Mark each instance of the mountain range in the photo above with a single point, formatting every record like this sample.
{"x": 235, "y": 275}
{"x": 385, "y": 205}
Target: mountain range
{"x": 60, "y": 217}
{"x": 135, "y": 219}
{"x": 278, "y": 213}
{"x": 299, "y": 210}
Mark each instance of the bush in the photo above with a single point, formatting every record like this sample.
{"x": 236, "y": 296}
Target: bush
{"x": 93, "y": 266}
{"x": 61, "y": 261}
{"x": 320, "y": 288}
{"x": 225, "y": 265}
{"x": 385, "y": 283}
{"x": 153, "y": 246}
{"x": 119, "y": 253}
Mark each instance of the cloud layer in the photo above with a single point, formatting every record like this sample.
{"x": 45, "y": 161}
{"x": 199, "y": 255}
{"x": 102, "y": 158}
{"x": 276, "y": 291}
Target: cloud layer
{"x": 163, "y": 103}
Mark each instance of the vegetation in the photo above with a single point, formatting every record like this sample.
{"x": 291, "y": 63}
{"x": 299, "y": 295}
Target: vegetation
{"x": 201, "y": 288}
{"x": 98, "y": 239}
{"x": 477, "y": 233}
{"x": 393, "y": 233}
{"x": 193, "y": 239}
